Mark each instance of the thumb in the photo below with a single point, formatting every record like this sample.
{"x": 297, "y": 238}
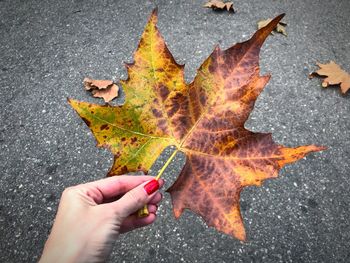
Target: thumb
{"x": 136, "y": 198}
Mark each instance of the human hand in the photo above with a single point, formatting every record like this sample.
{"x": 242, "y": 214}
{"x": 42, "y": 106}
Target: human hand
{"x": 90, "y": 217}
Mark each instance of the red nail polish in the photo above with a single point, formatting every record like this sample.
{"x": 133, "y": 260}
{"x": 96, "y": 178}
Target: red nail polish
{"x": 151, "y": 186}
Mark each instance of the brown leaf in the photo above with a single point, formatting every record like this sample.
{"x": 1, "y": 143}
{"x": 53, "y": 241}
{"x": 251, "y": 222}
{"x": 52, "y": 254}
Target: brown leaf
{"x": 105, "y": 89}
{"x": 96, "y": 83}
{"x": 280, "y": 28}
{"x": 219, "y": 5}
{"x": 108, "y": 93}
{"x": 204, "y": 119}
{"x": 334, "y": 74}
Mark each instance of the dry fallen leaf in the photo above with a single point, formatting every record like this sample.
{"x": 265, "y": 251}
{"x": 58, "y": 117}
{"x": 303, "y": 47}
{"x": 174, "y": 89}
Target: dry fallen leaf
{"x": 220, "y": 5}
{"x": 280, "y": 28}
{"x": 334, "y": 75}
{"x": 204, "y": 119}
{"x": 96, "y": 83}
{"x": 107, "y": 94}
{"x": 105, "y": 89}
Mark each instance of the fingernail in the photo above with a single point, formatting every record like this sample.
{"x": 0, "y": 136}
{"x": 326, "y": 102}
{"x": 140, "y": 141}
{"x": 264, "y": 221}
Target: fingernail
{"x": 151, "y": 186}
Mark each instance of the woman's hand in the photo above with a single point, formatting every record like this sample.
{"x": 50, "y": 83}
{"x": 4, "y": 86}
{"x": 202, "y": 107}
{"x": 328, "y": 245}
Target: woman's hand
{"x": 90, "y": 217}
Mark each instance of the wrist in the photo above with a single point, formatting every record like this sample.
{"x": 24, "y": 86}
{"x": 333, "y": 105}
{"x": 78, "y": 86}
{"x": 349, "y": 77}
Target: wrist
{"x": 62, "y": 252}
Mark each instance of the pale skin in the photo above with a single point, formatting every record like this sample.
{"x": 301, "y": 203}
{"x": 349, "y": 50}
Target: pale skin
{"x": 91, "y": 216}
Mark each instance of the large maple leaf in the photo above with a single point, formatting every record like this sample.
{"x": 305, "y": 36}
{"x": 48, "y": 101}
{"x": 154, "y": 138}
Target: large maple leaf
{"x": 204, "y": 119}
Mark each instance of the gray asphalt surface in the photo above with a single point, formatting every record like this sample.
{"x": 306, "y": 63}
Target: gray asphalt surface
{"x": 48, "y": 47}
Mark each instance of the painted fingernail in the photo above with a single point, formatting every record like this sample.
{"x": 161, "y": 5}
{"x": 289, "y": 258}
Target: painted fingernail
{"x": 151, "y": 186}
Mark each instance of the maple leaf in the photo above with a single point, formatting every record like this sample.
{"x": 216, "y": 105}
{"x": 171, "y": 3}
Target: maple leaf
{"x": 280, "y": 28}
{"x": 334, "y": 75}
{"x": 204, "y": 119}
{"x": 219, "y": 5}
{"x": 105, "y": 89}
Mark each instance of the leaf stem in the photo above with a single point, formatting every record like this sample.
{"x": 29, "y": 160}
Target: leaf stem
{"x": 160, "y": 173}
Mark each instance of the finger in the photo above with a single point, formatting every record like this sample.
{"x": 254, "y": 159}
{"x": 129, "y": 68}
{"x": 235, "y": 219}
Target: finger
{"x": 115, "y": 198}
{"x": 161, "y": 182}
{"x": 133, "y": 222}
{"x": 156, "y": 199}
{"x": 151, "y": 208}
{"x": 116, "y": 185}
{"x": 135, "y": 199}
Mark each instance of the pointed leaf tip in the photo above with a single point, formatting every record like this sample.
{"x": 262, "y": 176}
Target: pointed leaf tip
{"x": 72, "y": 102}
{"x": 265, "y": 31}
{"x": 154, "y": 13}
{"x": 275, "y": 21}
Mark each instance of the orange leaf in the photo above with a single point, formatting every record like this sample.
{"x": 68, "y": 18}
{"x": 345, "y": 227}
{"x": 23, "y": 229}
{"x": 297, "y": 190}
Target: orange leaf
{"x": 204, "y": 119}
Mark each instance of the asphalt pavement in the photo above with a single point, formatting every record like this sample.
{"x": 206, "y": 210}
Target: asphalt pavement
{"x": 48, "y": 47}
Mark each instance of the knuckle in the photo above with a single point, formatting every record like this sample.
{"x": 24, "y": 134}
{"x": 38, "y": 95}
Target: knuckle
{"x": 136, "y": 197}
{"x": 70, "y": 191}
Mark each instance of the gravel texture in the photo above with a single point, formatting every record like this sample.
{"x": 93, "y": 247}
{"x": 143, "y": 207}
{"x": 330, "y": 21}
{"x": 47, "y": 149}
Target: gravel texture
{"x": 48, "y": 47}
